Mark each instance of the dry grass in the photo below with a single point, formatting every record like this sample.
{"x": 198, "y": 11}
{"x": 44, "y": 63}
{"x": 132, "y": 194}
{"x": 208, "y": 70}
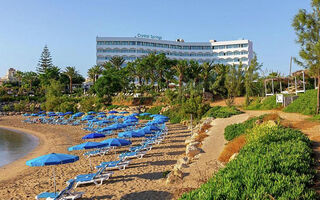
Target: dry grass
{"x": 231, "y": 148}
{"x": 272, "y": 116}
{"x": 179, "y": 191}
{"x": 305, "y": 124}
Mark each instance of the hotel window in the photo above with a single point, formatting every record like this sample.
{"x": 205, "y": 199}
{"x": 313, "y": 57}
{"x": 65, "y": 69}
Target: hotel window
{"x": 244, "y": 45}
{"x": 219, "y": 47}
{"x": 194, "y": 48}
{"x": 186, "y": 47}
{"x": 124, "y": 43}
{"x": 132, "y": 43}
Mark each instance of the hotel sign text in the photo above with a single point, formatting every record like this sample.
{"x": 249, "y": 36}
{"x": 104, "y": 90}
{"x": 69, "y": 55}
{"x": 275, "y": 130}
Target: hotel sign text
{"x": 139, "y": 35}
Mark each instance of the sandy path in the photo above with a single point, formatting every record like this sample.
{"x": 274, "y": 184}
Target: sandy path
{"x": 212, "y": 146}
{"x": 143, "y": 179}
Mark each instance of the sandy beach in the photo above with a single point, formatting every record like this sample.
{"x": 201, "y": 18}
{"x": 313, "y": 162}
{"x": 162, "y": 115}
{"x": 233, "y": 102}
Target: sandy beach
{"x": 143, "y": 179}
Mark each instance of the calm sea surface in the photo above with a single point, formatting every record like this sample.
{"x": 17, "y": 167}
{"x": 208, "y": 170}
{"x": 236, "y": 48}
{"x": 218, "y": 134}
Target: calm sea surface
{"x": 14, "y": 145}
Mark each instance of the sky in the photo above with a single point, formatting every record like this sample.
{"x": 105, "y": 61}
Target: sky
{"x": 70, "y": 27}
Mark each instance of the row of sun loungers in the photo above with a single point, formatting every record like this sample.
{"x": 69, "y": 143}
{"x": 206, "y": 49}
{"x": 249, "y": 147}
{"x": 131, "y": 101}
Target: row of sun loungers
{"x": 105, "y": 169}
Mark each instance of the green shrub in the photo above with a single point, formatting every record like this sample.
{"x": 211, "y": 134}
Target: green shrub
{"x": 192, "y": 105}
{"x": 155, "y": 110}
{"x": 306, "y": 103}
{"x": 234, "y": 130}
{"x": 90, "y": 103}
{"x": 32, "y": 107}
{"x": 195, "y": 106}
{"x": 222, "y": 112}
{"x": 111, "y": 107}
{"x": 175, "y": 114}
{"x": 18, "y": 107}
{"x": 67, "y": 106}
{"x": 276, "y": 163}
{"x": 267, "y": 103}
{"x": 6, "y": 108}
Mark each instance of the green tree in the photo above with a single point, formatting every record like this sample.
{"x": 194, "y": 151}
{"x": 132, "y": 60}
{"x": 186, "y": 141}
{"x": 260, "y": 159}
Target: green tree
{"x": 52, "y": 72}
{"x": 53, "y": 95}
{"x": 206, "y": 73}
{"x": 307, "y": 28}
{"x": 109, "y": 83}
{"x": 45, "y": 61}
{"x": 180, "y": 69}
{"x": 117, "y": 61}
{"x": 18, "y": 75}
{"x": 251, "y": 76}
{"x": 71, "y": 72}
{"x": 217, "y": 85}
{"x": 193, "y": 72}
{"x": 231, "y": 84}
{"x": 94, "y": 73}
{"x": 29, "y": 78}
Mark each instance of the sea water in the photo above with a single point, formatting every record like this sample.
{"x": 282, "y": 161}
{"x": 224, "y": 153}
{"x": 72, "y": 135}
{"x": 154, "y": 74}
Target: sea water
{"x": 14, "y": 145}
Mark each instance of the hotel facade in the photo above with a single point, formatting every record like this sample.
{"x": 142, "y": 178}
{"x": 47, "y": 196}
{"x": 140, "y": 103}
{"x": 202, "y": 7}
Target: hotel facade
{"x": 130, "y": 48}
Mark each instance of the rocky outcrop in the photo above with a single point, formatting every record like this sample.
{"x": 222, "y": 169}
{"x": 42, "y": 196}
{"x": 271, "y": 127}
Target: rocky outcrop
{"x": 193, "y": 150}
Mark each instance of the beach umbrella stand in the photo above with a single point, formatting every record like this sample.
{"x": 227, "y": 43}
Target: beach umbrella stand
{"x": 52, "y": 159}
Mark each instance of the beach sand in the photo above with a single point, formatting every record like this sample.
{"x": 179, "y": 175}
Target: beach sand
{"x": 143, "y": 179}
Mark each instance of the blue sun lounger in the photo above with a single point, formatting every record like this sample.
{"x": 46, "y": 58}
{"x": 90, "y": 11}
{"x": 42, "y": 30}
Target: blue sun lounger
{"x": 129, "y": 155}
{"x": 144, "y": 147}
{"x": 98, "y": 152}
{"x": 96, "y": 178}
{"x": 67, "y": 193}
{"x": 112, "y": 165}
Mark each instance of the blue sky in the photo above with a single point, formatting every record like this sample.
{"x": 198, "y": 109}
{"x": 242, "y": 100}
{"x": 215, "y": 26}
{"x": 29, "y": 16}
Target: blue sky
{"x": 69, "y": 27}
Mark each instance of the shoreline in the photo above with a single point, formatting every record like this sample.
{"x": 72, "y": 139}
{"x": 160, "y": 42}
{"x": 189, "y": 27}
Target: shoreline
{"x": 34, "y": 143}
{"x": 6, "y": 172}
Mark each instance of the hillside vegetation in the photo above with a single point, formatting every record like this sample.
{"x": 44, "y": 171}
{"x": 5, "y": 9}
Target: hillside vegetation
{"x": 306, "y": 103}
{"x": 267, "y": 103}
{"x": 276, "y": 163}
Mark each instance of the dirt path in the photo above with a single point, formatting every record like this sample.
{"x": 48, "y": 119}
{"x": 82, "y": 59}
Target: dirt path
{"x": 206, "y": 165}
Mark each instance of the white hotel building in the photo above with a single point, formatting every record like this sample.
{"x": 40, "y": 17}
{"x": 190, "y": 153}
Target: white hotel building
{"x": 130, "y": 48}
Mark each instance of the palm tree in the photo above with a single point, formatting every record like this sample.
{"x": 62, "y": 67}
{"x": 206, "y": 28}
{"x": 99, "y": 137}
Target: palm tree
{"x": 29, "y": 77}
{"x": 117, "y": 61}
{"x": 91, "y": 74}
{"x": 180, "y": 68}
{"x": 94, "y": 72}
{"x": 71, "y": 72}
{"x": 205, "y": 74}
{"x": 18, "y": 75}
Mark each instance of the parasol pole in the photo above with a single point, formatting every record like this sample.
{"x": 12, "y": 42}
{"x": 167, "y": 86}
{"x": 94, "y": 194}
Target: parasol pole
{"x": 54, "y": 181}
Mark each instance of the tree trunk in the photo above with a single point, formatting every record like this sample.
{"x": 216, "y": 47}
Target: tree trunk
{"x": 70, "y": 85}
{"x": 318, "y": 95}
{"x": 180, "y": 81}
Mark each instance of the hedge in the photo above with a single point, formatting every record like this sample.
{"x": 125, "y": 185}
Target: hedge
{"x": 234, "y": 130}
{"x": 222, "y": 112}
